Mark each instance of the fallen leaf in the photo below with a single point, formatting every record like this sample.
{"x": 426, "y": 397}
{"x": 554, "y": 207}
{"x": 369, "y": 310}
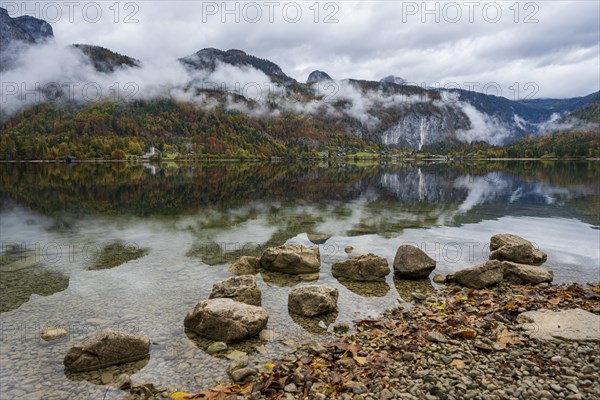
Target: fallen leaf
{"x": 458, "y": 363}
{"x": 505, "y": 337}
{"x": 360, "y": 360}
{"x": 464, "y": 333}
{"x": 354, "y": 348}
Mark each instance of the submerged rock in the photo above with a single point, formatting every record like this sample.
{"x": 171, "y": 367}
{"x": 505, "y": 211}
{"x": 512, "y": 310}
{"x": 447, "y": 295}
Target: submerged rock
{"x": 291, "y": 259}
{"x": 240, "y": 288}
{"x": 311, "y": 301}
{"x": 226, "y": 320}
{"x": 412, "y": 263}
{"x": 366, "y": 267}
{"x": 107, "y": 348}
{"x": 49, "y": 334}
{"x": 216, "y": 347}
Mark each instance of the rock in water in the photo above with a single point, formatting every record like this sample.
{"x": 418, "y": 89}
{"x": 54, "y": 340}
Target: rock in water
{"x": 311, "y": 301}
{"x": 493, "y": 272}
{"x": 240, "y": 288}
{"x": 507, "y": 247}
{"x": 489, "y": 273}
{"x": 49, "y": 334}
{"x": 106, "y": 348}
{"x": 226, "y": 320}
{"x": 216, "y": 347}
{"x": 521, "y": 274}
{"x": 574, "y": 325}
{"x": 412, "y": 263}
{"x": 366, "y": 267}
{"x": 245, "y": 265}
{"x": 291, "y": 259}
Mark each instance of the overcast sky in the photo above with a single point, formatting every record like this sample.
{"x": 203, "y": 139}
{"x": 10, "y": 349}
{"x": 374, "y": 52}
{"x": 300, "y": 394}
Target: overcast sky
{"x": 529, "y": 48}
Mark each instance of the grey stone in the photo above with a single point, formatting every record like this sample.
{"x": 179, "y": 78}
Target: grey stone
{"x": 216, "y": 347}
{"x": 341, "y": 327}
{"x": 238, "y": 363}
{"x": 226, "y": 320}
{"x": 311, "y": 301}
{"x": 522, "y": 274}
{"x": 292, "y": 259}
{"x": 436, "y": 337}
{"x": 365, "y": 267}
{"x": 573, "y": 325}
{"x": 240, "y": 288}
{"x": 483, "y": 275}
{"x": 315, "y": 348}
{"x": 122, "y": 382}
{"x": 412, "y": 263}
{"x": 507, "y": 247}
{"x": 49, "y": 334}
{"x": 245, "y": 265}
{"x": 242, "y": 374}
{"x": 108, "y": 347}
{"x": 492, "y": 272}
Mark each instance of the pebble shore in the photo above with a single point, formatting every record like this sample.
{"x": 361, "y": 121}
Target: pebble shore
{"x": 456, "y": 344}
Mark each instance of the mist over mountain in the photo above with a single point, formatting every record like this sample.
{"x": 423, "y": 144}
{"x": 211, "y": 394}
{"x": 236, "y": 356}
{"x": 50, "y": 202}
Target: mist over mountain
{"x": 318, "y": 76}
{"x": 17, "y": 33}
{"x": 390, "y": 112}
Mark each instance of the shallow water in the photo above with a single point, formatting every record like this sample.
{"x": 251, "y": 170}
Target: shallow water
{"x": 55, "y": 221}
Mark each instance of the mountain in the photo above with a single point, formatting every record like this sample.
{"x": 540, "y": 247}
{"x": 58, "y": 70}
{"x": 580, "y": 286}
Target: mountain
{"x": 105, "y": 60}
{"x": 509, "y": 120}
{"x": 318, "y": 76}
{"x": 587, "y": 113}
{"x": 17, "y": 33}
{"x": 393, "y": 79}
{"x": 24, "y": 29}
{"x": 209, "y": 58}
{"x": 307, "y": 117}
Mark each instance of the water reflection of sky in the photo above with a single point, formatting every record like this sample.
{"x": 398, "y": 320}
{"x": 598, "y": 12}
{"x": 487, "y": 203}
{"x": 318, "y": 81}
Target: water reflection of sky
{"x": 451, "y": 217}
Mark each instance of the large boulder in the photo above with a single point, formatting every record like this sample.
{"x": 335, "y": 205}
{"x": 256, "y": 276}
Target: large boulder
{"x": 311, "y": 301}
{"x": 239, "y": 288}
{"x": 226, "y": 320}
{"x": 291, "y": 259}
{"x": 492, "y": 272}
{"x": 245, "y": 265}
{"x": 573, "y": 325}
{"x": 522, "y": 274}
{"x": 489, "y": 273}
{"x": 507, "y": 247}
{"x": 366, "y": 267}
{"x": 412, "y": 263}
{"x": 107, "y": 347}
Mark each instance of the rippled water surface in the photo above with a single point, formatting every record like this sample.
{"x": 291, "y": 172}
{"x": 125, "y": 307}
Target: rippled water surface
{"x": 185, "y": 224}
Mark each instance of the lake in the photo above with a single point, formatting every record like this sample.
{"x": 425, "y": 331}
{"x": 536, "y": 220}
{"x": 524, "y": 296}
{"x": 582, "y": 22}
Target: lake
{"x": 185, "y": 223}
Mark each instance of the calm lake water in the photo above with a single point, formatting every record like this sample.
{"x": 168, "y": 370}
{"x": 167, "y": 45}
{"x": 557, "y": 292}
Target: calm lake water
{"x": 189, "y": 222}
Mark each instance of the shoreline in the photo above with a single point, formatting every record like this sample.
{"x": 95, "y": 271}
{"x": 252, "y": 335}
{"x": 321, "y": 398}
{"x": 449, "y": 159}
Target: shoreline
{"x": 457, "y": 343}
{"x": 350, "y": 160}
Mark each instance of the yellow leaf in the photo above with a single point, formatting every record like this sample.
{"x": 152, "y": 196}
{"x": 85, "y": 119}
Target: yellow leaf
{"x": 179, "y": 396}
{"x": 361, "y": 360}
{"x": 458, "y": 363}
{"x": 269, "y": 366}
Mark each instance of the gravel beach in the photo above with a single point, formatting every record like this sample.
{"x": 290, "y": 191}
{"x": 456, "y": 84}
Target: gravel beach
{"x": 457, "y": 344}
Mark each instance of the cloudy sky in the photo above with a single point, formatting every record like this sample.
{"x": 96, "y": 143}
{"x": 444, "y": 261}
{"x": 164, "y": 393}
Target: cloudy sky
{"x": 528, "y": 49}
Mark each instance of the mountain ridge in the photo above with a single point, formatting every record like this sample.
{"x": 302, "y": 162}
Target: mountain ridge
{"x": 388, "y": 112}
